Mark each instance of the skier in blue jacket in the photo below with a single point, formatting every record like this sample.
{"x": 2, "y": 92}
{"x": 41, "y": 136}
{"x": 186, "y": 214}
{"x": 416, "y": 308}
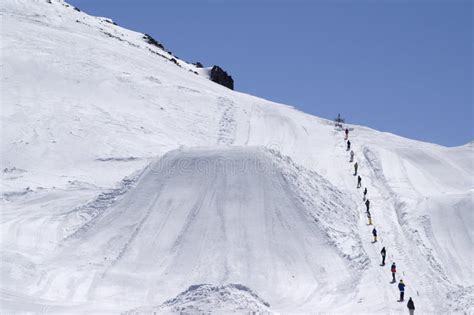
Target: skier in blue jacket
{"x": 401, "y": 287}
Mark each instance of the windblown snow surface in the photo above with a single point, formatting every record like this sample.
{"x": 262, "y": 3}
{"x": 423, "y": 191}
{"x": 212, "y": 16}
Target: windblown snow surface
{"x": 130, "y": 183}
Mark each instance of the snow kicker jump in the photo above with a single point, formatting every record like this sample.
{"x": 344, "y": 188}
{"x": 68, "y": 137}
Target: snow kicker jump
{"x": 236, "y": 215}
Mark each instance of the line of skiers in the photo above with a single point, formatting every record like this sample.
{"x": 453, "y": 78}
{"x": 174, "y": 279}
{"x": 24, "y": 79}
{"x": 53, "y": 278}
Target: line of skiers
{"x": 383, "y": 252}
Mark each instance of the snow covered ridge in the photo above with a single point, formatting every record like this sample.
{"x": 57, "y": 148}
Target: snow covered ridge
{"x": 57, "y": 14}
{"x": 128, "y": 179}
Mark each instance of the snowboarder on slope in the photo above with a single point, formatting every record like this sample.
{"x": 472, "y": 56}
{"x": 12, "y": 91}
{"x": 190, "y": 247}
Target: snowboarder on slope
{"x": 359, "y": 181}
{"x": 374, "y": 233}
{"x": 401, "y": 287}
{"x": 352, "y": 157}
{"x": 393, "y": 269}
{"x": 347, "y": 134}
{"x": 356, "y": 166}
{"x": 383, "y": 252}
{"x": 365, "y": 193}
{"x": 369, "y": 217}
{"x": 411, "y": 306}
{"x": 367, "y": 204}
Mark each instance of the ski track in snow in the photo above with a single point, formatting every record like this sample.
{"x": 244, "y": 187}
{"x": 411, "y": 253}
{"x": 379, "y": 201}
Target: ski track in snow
{"x": 227, "y": 123}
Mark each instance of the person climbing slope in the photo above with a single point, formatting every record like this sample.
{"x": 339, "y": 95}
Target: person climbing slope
{"x": 401, "y": 287}
{"x": 393, "y": 269}
{"x": 348, "y": 145}
{"x": 374, "y": 233}
{"x": 383, "y": 252}
{"x": 365, "y": 193}
{"x": 369, "y": 217}
{"x": 352, "y": 156}
{"x": 411, "y": 306}
{"x": 347, "y": 134}
{"x": 367, "y": 204}
{"x": 356, "y": 166}
{"x": 359, "y": 181}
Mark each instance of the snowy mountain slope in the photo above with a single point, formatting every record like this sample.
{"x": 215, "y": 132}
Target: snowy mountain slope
{"x": 89, "y": 107}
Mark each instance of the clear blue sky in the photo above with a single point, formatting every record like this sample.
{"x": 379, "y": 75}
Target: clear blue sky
{"x": 399, "y": 66}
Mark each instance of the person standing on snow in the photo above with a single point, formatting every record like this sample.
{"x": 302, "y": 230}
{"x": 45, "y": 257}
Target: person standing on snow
{"x": 393, "y": 269}
{"x": 411, "y": 306}
{"x": 348, "y": 145}
{"x": 369, "y": 217}
{"x": 356, "y": 166}
{"x": 383, "y": 252}
{"x": 365, "y": 193}
{"x": 352, "y": 157}
{"x": 359, "y": 181}
{"x": 401, "y": 287}
{"x": 367, "y": 204}
{"x": 347, "y": 134}
{"x": 374, "y": 233}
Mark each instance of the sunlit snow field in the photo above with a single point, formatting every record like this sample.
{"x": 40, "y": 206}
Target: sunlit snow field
{"x": 131, "y": 183}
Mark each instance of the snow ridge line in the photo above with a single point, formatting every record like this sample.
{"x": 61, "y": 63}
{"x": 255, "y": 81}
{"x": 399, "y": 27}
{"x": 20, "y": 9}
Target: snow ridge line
{"x": 94, "y": 209}
{"x": 297, "y": 176}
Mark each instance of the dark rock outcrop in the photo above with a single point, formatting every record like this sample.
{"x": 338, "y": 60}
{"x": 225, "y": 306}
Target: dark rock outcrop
{"x": 150, "y": 40}
{"x": 221, "y": 77}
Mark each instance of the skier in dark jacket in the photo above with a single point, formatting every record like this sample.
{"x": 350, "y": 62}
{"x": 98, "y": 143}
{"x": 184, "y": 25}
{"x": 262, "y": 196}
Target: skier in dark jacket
{"x": 356, "y": 166}
{"x": 369, "y": 216}
{"x": 383, "y": 252}
{"x": 401, "y": 287}
{"x": 347, "y": 133}
{"x": 365, "y": 193}
{"x": 359, "y": 181}
{"x": 367, "y": 204}
{"x": 352, "y": 156}
{"x": 374, "y": 233}
{"x": 393, "y": 269}
{"x": 348, "y": 145}
{"x": 411, "y": 306}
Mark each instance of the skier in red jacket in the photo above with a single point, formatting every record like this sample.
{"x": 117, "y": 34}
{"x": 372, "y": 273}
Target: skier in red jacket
{"x": 393, "y": 269}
